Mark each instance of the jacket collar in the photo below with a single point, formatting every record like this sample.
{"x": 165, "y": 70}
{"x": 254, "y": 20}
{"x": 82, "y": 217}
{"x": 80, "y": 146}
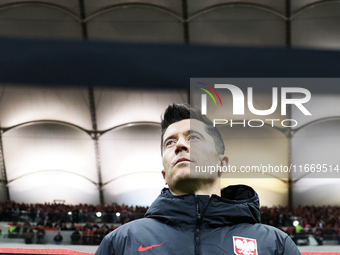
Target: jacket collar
{"x": 237, "y": 204}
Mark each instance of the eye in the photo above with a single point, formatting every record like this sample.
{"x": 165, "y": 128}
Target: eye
{"x": 194, "y": 137}
{"x": 169, "y": 143}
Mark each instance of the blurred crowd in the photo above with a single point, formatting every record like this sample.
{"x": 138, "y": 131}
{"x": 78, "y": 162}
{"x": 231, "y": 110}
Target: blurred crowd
{"x": 300, "y": 223}
{"x": 88, "y": 234}
{"x": 90, "y": 223}
{"x": 309, "y": 216}
{"x": 52, "y": 213}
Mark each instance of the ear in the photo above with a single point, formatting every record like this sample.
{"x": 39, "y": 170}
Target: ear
{"x": 224, "y": 162}
{"x": 163, "y": 173}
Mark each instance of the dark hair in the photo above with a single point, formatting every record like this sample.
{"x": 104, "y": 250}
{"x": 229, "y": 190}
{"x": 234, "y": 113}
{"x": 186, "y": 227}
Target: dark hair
{"x": 178, "y": 112}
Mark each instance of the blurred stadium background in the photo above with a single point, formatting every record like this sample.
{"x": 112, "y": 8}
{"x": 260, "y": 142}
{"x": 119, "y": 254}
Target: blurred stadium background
{"x": 66, "y": 142}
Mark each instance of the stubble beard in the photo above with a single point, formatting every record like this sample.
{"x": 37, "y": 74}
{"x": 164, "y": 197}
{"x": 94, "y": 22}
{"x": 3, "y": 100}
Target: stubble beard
{"x": 187, "y": 185}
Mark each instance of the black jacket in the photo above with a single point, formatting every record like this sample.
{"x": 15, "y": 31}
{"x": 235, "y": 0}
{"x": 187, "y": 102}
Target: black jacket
{"x": 195, "y": 224}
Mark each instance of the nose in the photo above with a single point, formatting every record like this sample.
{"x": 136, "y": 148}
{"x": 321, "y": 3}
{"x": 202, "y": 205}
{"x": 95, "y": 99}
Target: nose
{"x": 182, "y": 145}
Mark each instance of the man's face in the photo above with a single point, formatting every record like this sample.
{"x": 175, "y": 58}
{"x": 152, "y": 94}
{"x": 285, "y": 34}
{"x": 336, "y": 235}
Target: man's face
{"x": 186, "y": 146}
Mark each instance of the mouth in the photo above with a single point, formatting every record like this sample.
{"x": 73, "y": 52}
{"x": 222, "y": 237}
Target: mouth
{"x": 182, "y": 159}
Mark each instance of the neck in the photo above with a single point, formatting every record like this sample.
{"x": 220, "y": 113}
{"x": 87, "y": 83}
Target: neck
{"x": 197, "y": 186}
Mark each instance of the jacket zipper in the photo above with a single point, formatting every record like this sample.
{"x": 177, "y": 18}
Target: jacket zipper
{"x": 199, "y": 222}
{"x": 198, "y": 227}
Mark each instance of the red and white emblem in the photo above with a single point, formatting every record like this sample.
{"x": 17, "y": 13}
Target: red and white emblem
{"x": 244, "y": 246}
